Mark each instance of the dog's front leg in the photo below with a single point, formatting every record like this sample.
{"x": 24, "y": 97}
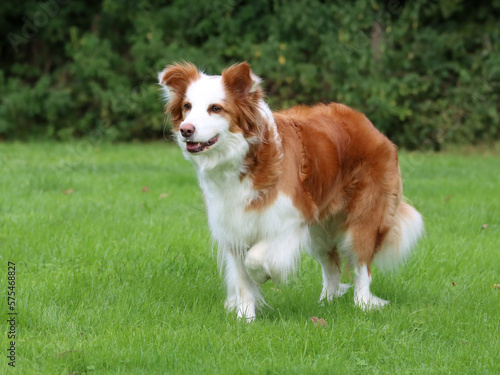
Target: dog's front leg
{"x": 255, "y": 263}
{"x": 278, "y": 258}
{"x": 243, "y": 293}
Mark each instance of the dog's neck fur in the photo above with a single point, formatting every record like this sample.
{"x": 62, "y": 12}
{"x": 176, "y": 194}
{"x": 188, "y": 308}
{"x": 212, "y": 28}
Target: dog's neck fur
{"x": 254, "y": 163}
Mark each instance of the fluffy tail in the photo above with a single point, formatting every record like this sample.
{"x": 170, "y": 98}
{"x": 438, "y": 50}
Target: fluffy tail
{"x": 401, "y": 239}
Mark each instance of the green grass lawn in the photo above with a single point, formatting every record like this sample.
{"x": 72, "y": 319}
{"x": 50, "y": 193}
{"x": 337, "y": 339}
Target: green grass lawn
{"x": 115, "y": 274}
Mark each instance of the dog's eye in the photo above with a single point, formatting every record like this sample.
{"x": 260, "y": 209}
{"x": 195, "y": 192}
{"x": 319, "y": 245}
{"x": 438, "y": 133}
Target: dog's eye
{"x": 187, "y": 107}
{"x": 215, "y": 108}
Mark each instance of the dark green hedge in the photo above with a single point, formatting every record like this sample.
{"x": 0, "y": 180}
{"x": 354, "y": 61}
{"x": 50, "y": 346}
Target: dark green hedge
{"x": 425, "y": 72}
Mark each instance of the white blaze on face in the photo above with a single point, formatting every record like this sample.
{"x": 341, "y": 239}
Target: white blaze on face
{"x": 229, "y": 148}
{"x": 202, "y": 94}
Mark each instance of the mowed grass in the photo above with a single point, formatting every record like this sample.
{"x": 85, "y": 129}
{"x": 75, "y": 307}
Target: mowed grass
{"x": 115, "y": 274}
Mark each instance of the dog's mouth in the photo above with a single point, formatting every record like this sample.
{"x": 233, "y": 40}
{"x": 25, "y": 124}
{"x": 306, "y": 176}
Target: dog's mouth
{"x": 195, "y": 147}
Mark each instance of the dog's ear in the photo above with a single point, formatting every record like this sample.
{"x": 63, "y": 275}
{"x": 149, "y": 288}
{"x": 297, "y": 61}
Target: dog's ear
{"x": 240, "y": 80}
{"x": 176, "y": 78}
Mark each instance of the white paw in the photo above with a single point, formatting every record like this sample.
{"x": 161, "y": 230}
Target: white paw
{"x": 255, "y": 265}
{"x": 329, "y": 294}
{"x": 246, "y": 316}
{"x": 368, "y": 302}
{"x": 243, "y": 311}
{"x": 258, "y": 275}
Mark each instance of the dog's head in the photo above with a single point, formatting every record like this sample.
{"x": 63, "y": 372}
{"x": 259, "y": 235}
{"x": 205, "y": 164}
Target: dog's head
{"x": 215, "y": 116}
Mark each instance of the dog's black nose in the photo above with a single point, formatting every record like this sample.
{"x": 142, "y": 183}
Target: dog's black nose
{"x": 187, "y": 130}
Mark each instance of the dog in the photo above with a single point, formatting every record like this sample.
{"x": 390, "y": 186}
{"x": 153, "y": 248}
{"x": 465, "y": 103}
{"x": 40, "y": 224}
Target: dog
{"x": 319, "y": 178}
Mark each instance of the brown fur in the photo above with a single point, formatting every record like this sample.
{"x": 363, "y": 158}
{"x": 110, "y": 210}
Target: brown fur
{"x": 262, "y": 163}
{"x": 242, "y": 105}
{"x": 178, "y": 77}
{"x": 336, "y": 164}
{"x": 332, "y": 163}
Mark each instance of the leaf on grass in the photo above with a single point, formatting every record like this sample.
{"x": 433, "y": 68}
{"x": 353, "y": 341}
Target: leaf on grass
{"x": 453, "y": 283}
{"x": 145, "y": 189}
{"x": 318, "y": 321}
{"x": 496, "y": 286}
{"x": 163, "y": 195}
{"x": 484, "y": 226}
{"x": 69, "y": 191}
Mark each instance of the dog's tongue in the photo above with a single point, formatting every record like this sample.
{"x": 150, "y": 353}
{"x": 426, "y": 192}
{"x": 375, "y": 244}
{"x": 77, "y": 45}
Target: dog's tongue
{"x": 194, "y": 146}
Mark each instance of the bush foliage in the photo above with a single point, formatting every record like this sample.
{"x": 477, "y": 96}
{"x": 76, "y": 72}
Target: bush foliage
{"x": 424, "y": 72}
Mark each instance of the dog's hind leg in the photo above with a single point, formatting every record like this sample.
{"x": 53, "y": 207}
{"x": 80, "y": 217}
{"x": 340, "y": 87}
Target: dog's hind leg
{"x": 363, "y": 298}
{"x": 325, "y": 252}
{"x": 330, "y": 266}
{"x": 358, "y": 245}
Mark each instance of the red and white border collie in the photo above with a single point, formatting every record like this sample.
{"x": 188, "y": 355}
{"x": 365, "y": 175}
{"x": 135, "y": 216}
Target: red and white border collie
{"x": 320, "y": 178}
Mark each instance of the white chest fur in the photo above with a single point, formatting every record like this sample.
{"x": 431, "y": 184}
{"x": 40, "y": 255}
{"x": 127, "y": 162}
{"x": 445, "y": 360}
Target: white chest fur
{"x": 237, "y": 228}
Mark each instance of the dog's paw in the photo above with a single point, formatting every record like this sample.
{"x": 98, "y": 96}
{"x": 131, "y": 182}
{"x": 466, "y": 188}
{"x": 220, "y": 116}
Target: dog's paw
{"x": 368, "y": 302}
{"x": 327, "y": 295}
{"x": 245, "y": 312}
{"x": 248, "y": 318}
